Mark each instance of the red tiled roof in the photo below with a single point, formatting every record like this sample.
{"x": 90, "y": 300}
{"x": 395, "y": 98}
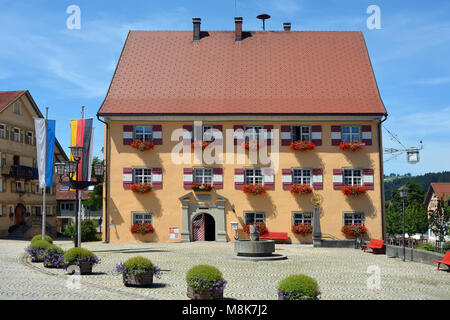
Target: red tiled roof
{"x": 63, "y": 193}
{"x": 7, "y": 97}
{"x": 296, "y": 72}
{"x": 441, "y": 188}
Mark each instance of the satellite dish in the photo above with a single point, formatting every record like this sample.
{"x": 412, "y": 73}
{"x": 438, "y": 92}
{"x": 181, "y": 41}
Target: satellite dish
{"x": 263, "y": 17}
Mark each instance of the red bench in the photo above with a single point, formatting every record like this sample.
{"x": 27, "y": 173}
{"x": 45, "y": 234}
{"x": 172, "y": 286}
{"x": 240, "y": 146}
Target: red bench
{"x": 274, "y": 236}
{"x": 445, "y": 261}
{"x": 375, "y": 245}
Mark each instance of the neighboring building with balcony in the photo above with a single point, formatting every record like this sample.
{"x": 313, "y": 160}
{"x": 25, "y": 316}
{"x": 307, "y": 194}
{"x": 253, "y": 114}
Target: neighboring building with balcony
{"x": 262, "y": 87}
{"x": 20, "y": 195}
{"x": 435, "y": 193}
{"x": 66, "y": 208}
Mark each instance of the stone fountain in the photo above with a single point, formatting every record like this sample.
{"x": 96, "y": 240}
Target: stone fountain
{"x": 256, "y": 249}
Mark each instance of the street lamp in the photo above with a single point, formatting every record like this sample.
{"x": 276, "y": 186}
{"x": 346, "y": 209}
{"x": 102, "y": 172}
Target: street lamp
{"x": 403, "y": 195}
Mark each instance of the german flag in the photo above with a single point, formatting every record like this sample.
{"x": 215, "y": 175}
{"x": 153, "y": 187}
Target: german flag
{"x": 82, "y": 134}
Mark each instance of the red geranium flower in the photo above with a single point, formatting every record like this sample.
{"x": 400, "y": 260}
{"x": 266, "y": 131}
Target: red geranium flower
{"x": 141, "y": 187}
{"x": 142, "y": 145}
{"x": 302, "y": 145}
{"x": 300, "y": 188}
{"x": 255, "y": 188}
{"x": 352, "y": 145}
{"x": 354, "y": 190}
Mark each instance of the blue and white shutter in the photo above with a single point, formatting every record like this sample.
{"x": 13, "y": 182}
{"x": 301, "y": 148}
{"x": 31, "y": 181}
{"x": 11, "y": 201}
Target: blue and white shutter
{"x": 188, "y": 177}
{"x": 157, "y": 178}
{"x": 127, "y": 177}
{"x": 268, "y": 178}
{"x": 286, "y": 178}
{"x": 368, "y": 179}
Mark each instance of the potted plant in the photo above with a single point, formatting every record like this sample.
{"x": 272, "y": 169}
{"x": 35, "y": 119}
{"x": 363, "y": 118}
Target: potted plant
{"x": 39, "y": 237}
{"x": 142, "y": 228}
{"x": 197, "y": 186}
{"x": 354, "y": 190}
{"x": 298, "y": 287}
{"x": 251, "y": 145}
{"x": 138, "y": 271}
{"x": 36, "y": 250}
{"x": 302, "y": 228}
{"x": 205, "y": 282}
{"x": 300, "y": 189}
{"x": 352, "y": 145}
{"x": 354, "y": 229}
{"x": 53, "y": 257}
{"x": 142, "y": 145}
{"x": 262, "y": 228}
{"x": 301, "y": 145}
{"x": 141, "y": 187}
{"x": 254, "y": 188}
{"x": 82, "y": 258}
{"x": 200, "y": 144}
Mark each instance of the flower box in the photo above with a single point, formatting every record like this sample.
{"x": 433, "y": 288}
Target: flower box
{"x": 85, "y": 267}
{"x": 302, "y": 228}
{"x": 253, "y": 188}
{"x": 352, "y": 145}
{"x": 353, "y": 229}
{"x": 205, "y": 294}
{"x": 137, "y": 280}
{"x": 251, "y": 145}
{"x": 200, "y": 143}
{"x": 196, "y": 186}
{"x": 141, "y": 187}
{"x": 142, "y": 228}
{"x": 301, "y": 145}
{"x": 300, "y": 189}
{"x": 354, "y": 190}
{"x": 142, "y": 145}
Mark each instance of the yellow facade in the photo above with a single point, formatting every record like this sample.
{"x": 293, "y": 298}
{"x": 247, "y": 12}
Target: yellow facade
{"x": 278, "y": 204}
{"x": 21, "y": 198}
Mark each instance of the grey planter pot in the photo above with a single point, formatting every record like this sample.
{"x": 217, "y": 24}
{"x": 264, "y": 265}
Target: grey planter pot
{"x": 208, "y": 294}
{"x": 85, "y": 267}
{"x": 140, "y": 280}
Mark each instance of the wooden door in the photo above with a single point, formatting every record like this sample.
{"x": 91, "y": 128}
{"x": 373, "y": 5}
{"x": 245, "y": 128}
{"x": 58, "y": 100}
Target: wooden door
{"x": 198, "y": 228}
{"x": 19, "y": 215}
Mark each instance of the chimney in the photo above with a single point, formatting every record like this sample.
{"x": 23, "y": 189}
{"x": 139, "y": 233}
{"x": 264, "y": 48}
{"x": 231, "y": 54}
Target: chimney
{"x": 196, "y": 22}
{"x": 287, "y": 26}
{"x": 238, "y": 28}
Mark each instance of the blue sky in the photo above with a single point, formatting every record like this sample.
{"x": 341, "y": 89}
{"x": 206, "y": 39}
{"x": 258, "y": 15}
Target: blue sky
{"x": 64, "y": 69}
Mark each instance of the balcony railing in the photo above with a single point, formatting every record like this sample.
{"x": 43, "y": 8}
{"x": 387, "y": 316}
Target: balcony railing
{"x": 22, "y": 172}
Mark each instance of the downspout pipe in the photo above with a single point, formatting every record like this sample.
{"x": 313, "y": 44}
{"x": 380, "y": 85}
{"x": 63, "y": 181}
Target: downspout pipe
{"x": 106, "y": 179}
{"x": 380, "y": 147}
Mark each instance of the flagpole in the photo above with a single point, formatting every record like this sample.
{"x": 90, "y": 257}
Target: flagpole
{"x": 45, "y": 183}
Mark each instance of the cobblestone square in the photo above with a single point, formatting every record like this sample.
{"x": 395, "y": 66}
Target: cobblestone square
{"x": 341, "y": 273}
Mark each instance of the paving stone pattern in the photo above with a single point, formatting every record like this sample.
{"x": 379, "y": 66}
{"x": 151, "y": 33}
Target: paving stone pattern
{"x": 341, "y": 273}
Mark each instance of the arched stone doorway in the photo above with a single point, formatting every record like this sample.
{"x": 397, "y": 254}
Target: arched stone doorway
{"x": 19, "y": 214}
{"x": 203, "y": 228}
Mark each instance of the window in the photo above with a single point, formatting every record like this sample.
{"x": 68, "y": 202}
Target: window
{"x": 2, "y": 131}
{"x": 252, "y": 133}
{"x": 37, "y": 211}
{"x": 142, "y": 217}
{"x": 208, "y": 133}
{"x": 352, "y": 177}
{"x": 203, "y": 175}
{"x": 143, "y": 175}
{"x": 17, "y": 107}
{"x": 302, "y": 217}
{"x": 253, "y": 176}
{"x": 351, "y": 133}
{"x": 353, "y": 218}
{"x": 143, "y": 133}
{"x": 301, "y": 133}
{"x": 16, "y": 134}
{"x": 20, "y": 186}
{"x": 1, "y": 186}
{"x": 30, "y": 138}
{"x": 254, "y": 217}
{"x": 301, "y": 176}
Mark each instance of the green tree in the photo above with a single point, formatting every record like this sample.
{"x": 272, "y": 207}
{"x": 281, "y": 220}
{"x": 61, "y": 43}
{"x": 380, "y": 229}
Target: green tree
{"x": 440, "y": 218}
{"x": 95, "y": 200}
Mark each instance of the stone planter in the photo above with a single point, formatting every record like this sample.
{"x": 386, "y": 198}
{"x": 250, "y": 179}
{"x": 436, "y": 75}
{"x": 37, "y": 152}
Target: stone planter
{"x": 139, "y": 280}
{"x": 207, "y": 294}
{"x": 85, "y": 267}
{"x": 37, "y": 260}
{"x": 50, "y": 265}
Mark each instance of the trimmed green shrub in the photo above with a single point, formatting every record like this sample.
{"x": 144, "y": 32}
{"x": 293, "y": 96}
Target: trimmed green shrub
{"x": 88, "y": 231}
{"x": 446, "y": 246}
{"x": 298, "y": 287}
{"x": 204, "y": 277}
{"x": 40, "y": 244}
{"x": 427, "y": 247}
{"x": 37, "y": 249}
{"x": 138, "y": 265}
{"x": 80, "y": 255}
{"x": 39, "y": 237}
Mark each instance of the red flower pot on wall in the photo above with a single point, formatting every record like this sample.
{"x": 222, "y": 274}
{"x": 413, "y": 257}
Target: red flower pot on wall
{"x": 354, "y": 190}
{"x": 302, "y": 145}
{"x": 141, "y": 187}
{"x": 352, "y": 145}
{"x": 142, "y": 145}
{"x": 253, "y": 188}
{"x": 300, "y": 189}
